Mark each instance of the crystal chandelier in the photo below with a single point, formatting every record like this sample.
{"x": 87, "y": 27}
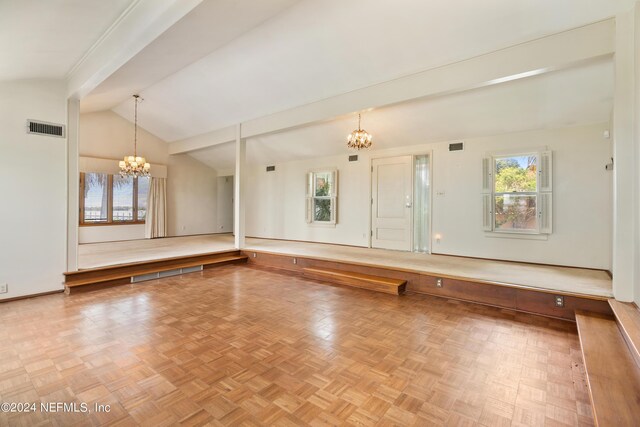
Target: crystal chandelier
{"x": 134, "y": 166}
{"x": 359, "y": 138}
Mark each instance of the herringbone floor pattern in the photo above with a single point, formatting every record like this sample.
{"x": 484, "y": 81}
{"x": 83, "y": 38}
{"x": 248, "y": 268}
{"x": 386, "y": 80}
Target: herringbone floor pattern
{"x": 243, "y": 346}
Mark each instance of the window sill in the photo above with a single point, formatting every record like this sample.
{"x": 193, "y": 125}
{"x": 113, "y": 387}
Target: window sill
{"x": 103, "y": 224}
{"x": 321, "y": 225}
{"x": 521, "y": 236}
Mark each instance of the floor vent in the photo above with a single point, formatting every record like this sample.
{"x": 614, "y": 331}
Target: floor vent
{"x": 167, "y": 273}
{"x": 45, "y": 128}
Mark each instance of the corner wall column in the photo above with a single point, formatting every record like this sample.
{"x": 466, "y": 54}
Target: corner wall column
{"x": 238, "y": 191}
{"x": 624, "y": 154}
{"x": 73, "y": 187}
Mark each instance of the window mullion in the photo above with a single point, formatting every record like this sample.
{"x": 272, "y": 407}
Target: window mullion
{"x": 110, "y": 199}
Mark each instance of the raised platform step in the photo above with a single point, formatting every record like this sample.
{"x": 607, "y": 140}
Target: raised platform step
{"x": 628, "y": 319}
{"x": 539, "y": 301}
{"x": 612, "y": 372}
{"x": 127, "y": 271}
{"x": 358, "y": 280}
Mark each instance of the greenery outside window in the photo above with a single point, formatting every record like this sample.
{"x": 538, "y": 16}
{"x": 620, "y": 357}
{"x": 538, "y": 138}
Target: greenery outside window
{"x": 322, "y": 192}
{"x": 112, "y": 200}
{"x": 517, "y": 193}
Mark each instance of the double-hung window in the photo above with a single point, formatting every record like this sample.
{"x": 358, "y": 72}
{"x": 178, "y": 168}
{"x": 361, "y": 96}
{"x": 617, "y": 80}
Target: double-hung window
{"x": 322, "y": 192}
{"x": 112, "y": 199}
{"x": 517, "y": 193}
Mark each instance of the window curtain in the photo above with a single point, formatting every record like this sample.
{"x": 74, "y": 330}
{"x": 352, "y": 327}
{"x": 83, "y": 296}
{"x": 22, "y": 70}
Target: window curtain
{"x": 156, "y": 221}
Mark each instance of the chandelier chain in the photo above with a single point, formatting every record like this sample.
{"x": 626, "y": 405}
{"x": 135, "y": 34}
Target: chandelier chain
{"x": 135, "y": 127}
{"x": 134, "y": 166}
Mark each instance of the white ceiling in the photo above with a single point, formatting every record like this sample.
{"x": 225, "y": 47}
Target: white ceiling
{"x": 46, "y": 38}
{"x": 565, "y": 98}
{"x": 315, "y": 49}
{"x": 208, "y": 27}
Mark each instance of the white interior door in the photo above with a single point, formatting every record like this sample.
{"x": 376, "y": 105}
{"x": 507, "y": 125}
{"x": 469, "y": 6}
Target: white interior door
{"x": 391, "y": 203}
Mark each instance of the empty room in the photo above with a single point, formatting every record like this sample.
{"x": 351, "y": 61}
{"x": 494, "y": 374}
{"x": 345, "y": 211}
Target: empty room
{"x": 319, "y": 212}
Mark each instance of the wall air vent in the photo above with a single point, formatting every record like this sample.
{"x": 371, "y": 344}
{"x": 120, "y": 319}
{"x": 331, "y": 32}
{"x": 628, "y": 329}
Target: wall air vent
{"x": 456, "y": 146}
{"x": 353, "y": 158}
{"x": 39, "y": 127}
{"x": 271, "y": 168}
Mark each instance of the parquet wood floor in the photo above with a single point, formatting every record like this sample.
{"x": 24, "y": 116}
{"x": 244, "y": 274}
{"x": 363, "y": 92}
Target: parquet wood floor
{"x": 239, "y": 345}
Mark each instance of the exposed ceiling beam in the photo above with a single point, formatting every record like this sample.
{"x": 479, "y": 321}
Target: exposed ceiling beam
{"x": 138, "y": 26}
{"x": 564, "y": 50}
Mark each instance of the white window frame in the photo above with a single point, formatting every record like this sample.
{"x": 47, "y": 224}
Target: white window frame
{"x": 543, "y": 193}
{"x": 311, "y": 197}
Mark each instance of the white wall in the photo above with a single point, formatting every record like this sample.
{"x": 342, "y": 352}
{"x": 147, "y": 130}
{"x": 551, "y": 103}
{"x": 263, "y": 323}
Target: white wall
{"x": 33, "y": 201}
{"x": 110, "y": 233}
{"x": 225, "y": 204}
{"x": 191, "y": 197}
{"x": 191, "y": 185}
{"x": 582, "y": 198}
{"x": 275, "y": 202}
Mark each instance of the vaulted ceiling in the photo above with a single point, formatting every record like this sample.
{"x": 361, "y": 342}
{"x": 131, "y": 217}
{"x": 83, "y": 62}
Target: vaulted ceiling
{"x": 229, "y": 61}
{"x": 314, "y": 49}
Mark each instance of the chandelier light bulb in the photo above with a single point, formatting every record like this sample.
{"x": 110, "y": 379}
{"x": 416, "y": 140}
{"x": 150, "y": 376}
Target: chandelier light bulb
{"x": 359, "y": 138}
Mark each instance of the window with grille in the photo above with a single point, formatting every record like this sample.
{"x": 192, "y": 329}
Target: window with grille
{"x": 517, "y": 193}
{"x": 112, "y": 199}
{"x": 322, "y": 192}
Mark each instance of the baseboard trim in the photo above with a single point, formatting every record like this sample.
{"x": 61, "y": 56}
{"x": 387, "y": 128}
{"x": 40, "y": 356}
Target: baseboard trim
{"x": 41, "y": 294}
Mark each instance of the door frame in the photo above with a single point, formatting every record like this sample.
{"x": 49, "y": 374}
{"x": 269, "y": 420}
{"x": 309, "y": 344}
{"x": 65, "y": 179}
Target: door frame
{"x": 413, "y": 184}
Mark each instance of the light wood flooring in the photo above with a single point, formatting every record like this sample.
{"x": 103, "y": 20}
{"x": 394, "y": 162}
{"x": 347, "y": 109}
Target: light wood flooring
{"x": 239, "y": 345}
{"x": 576, "y": 280}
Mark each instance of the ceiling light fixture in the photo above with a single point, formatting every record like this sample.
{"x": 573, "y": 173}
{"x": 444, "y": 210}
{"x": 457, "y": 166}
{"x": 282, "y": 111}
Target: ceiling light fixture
{"x": 359, "y": 138}
{"x": 134, "y": 166}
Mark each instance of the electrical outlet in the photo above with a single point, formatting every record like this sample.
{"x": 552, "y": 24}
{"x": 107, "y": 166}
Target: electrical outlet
{"x": 295, "y": 260}
{"x": 255, "y": 255}
{"x": 559, "y": 300}
{"x": 4, "y": 288}
{"x": 438, "y": 283}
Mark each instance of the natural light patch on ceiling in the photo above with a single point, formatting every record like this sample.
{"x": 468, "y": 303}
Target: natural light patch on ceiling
{"x": 565, "y": 98}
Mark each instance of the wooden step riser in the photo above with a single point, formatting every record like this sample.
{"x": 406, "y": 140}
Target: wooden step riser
{"x": 528, "y": 300}
{"x": 628, "y": 319}
{"x": 127, "y": 280}
{"x": 362, "y": 284}
{"x": 140, "y": 268}
{"x": 108, "y": 276}
{"x": 612, "y": 374}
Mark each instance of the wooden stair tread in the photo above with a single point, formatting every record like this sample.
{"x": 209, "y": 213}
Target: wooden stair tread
{"x": 148, "y": 270}
{"x": 628, "y": 318}
{"x": 359, "y": 280}
{"x": 612, "y": 374}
